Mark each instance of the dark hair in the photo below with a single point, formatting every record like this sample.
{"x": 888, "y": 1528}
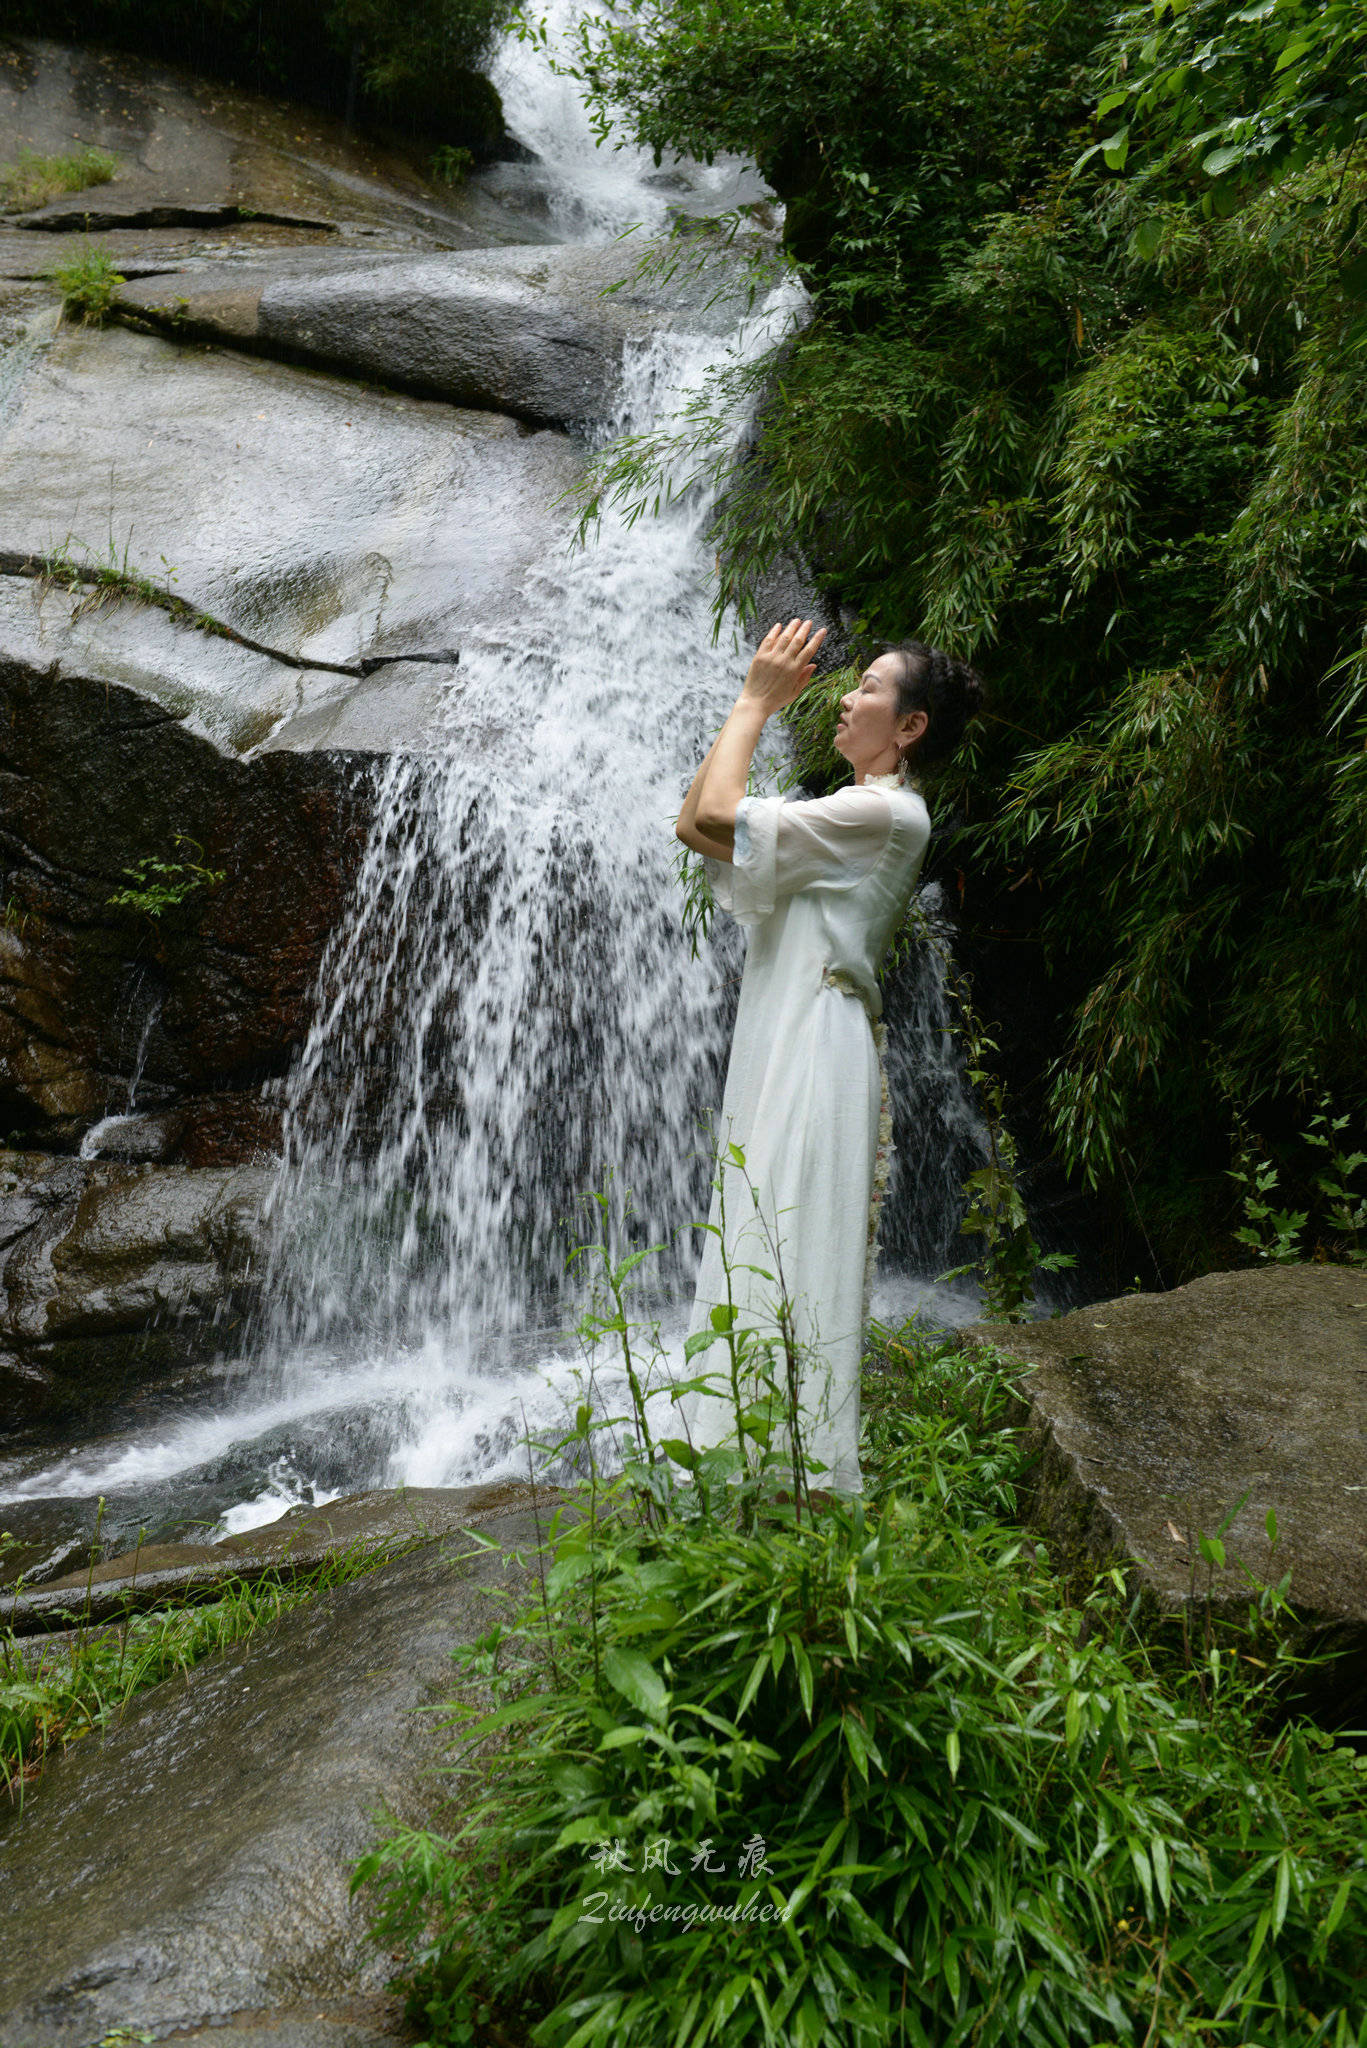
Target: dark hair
{"x": 946, "y": 689}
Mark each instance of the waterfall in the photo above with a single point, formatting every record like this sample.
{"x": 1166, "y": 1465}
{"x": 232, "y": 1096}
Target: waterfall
{"x": 509, "y": 1015}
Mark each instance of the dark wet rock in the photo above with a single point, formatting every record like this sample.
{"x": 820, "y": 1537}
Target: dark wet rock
{"x": 193, "y": 153}
{"x": 109, "y": 1274}
{"x": 205, "y": 1001}
{"x": 211, "y": 1834}
{"x": 375, "y": 2022}
{"x": 1159, "y": 1416}
{"x": 135, "y": 1137}
{"x": 45, "y": 1539}
{"x": 153, "y": 1574}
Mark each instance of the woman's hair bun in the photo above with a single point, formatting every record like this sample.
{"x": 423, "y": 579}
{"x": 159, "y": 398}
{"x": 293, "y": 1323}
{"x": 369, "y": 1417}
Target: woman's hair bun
{"x": 945, "y": 688}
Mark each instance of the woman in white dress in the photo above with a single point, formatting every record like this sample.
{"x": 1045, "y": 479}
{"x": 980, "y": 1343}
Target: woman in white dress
{"x": 822, "y": 886}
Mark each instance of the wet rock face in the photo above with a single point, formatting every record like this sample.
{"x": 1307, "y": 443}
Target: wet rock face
{"x": 211, "y": 1834}
{"x": 189, "y": 1010}
{"x": 1160, "y": 1416}
{"x": 108, "y": 1273}
{"x": 191, "y": 152}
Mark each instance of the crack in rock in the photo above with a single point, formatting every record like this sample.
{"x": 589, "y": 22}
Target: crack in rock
{"x": 76, "y": 221}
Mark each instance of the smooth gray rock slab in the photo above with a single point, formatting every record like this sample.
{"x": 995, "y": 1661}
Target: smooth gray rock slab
{"x": 1156, "y": 1414}
{"x": 301, "y": 1540}
{"x": 535, "y": 332}
{"x": 194, "y": 1863}
{"x": 330, "y": 522}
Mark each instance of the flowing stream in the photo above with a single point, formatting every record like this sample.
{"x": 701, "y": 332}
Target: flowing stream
{"x": 509, "y": 1015}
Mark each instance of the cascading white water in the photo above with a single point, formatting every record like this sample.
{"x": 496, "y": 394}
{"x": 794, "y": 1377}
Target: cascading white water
{"x": 509, "y": 1012}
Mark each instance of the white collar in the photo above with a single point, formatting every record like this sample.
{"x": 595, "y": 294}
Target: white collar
{"x": 893, "y": 781}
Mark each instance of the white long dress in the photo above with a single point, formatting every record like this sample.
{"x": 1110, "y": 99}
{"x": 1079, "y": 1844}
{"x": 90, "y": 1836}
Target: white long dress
{"x": 822, "y": 886}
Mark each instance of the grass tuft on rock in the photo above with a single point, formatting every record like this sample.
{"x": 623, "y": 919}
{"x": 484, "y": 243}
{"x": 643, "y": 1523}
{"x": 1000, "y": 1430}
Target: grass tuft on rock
{"x": 87, "y": 283}
{"x": 869, "y": 1777}
{"x": 32, "y": 180}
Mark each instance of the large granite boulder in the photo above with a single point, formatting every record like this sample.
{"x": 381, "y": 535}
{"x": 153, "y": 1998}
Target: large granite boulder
{"x": 1162, "y": 1418}
{"x": 331, "y": 523}
{"x": 194, "y": 1863}
{"x": 538, "y": 333}
{"x": 110, "y": 1273}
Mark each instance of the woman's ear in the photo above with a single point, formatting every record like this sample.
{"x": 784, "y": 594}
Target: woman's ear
{"x": 911, "y": 728}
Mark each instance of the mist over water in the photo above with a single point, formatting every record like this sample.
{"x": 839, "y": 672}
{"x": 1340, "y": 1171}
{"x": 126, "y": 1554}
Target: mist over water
{"x": 509, "y": 1013}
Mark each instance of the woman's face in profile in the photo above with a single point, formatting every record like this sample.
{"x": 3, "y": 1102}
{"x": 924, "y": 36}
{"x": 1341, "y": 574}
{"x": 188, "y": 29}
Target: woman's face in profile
{"x": 867, "y": 728}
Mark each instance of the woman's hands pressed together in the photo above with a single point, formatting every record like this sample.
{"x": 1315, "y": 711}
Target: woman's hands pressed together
{"x": 782, "y": 668}
{"x": 784, "y": 664}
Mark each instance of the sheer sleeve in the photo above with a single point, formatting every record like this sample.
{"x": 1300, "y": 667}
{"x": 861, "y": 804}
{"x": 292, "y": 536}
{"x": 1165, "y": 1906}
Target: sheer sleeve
{"x": 782, "y": 847}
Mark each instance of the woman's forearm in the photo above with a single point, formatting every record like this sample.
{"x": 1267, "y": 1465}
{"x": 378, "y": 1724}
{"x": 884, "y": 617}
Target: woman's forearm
{"x": 688, "y": 816}
{"x": 728, "y": 771}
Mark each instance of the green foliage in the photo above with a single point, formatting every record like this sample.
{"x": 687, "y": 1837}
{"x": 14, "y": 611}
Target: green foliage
{"x": 77, "y": 1687}
{"x": 450, "y": 166}
{"x": 1237, "y": 92}
{"x": 869, "y": 1778}
{"x": 32, "y": 179}
{"x": 1110, "y": 441}
{"x": 76, "y": 567}
{"x": 87, "y": 283}
{"x": 880, "y": 123}
{"x": 160, "y": 885}
{"x": 1331, "y": 1187}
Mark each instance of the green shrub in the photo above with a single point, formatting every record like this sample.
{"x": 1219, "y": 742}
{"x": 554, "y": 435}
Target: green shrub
{"x": 971, "y": 1811}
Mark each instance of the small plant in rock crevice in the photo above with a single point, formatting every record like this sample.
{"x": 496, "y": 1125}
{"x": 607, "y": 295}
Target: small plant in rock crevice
{"x": 87, "y": 283}
{"x": 451, "y": 165}
{"x": 101, "y": 577}
{"x": 160, "y": 885}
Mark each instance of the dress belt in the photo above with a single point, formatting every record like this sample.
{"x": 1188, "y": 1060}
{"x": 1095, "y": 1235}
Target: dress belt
{"x": 846, "y": 985}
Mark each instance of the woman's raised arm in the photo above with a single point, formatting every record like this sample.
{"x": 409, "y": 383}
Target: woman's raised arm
{"x": 783, "y": 666}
